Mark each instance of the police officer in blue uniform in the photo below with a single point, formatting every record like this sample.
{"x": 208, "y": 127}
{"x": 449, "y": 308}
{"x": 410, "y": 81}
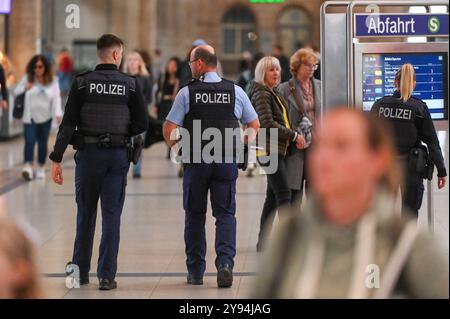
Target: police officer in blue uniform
{"x": 104, "y": 109}
{"x": 412, "y": 124}
{"x": 217, "y": 104}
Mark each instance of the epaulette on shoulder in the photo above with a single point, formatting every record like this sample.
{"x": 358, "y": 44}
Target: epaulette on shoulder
{"x": 129, "y": 75}
{"x": 193, "y": 80}
{"x": 418, "y": 100}
{"x": 83, "y": 73}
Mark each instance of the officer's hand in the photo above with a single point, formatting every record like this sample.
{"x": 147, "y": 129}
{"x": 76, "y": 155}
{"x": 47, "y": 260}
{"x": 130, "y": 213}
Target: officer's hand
{"x": 441, "y": 182}
{"x": 4, "y": 105}
{"x": 57, "y": 173}
{"x": 243, "y": 161}
{"x": 300, "y": 142}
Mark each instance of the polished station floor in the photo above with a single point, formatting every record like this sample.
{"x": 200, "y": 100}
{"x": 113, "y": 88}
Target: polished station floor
{"x": 151, "y": 258}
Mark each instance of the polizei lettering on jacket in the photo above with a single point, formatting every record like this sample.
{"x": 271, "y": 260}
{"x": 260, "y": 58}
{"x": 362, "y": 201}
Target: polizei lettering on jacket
{"x": 107, "y": 88}
{"x": 212, "y": 98}
{"x": 395, "y": 113}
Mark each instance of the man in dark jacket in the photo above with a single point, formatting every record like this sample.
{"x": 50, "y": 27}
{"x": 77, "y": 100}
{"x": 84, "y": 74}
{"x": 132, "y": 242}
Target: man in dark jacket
{"x": 104, "y": 109}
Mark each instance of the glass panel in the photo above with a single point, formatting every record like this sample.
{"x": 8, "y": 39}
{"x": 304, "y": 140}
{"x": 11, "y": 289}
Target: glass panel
{"x": 292, "y": 39}
{"x": 246, "y": 43}
{"x": 239, "y": 14}
{"x": 229, "y": 40}
{"x": 303, "y": 36}
{"x": 294, "y": 29}
{"x": 238, "y": 22}
{"x": 287, "y": 41}
{"x": 85, "y": 55}
{"x": 295, "y": 18}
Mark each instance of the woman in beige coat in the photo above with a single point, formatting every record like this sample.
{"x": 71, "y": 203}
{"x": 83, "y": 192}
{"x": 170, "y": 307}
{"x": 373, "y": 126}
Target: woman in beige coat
{"x": 302, "y": 95}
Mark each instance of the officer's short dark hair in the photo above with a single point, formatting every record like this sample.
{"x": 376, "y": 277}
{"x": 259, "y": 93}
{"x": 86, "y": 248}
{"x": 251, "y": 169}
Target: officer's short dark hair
{"x": 206, "y": 56}
{"x": 108, "y": 41}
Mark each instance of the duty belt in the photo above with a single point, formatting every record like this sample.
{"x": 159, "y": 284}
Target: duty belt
{"x": 108, "y": 140}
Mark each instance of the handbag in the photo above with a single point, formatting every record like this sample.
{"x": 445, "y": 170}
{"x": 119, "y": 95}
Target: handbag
{"x": 305, "y": 125}
{"x": 19, "y": 106}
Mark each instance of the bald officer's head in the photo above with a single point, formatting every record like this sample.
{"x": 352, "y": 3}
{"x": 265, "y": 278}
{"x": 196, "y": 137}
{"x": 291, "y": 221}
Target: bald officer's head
{"x": 203, "y": 59}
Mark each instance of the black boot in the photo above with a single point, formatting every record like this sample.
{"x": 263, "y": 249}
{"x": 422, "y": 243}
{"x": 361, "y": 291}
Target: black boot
{"x": 106, "y": 284}
{"x": 224, "y": 276}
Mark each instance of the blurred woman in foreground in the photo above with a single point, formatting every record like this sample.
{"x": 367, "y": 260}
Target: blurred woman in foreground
{"x": 19, "y": 278}
{"x": 349, "y": 241}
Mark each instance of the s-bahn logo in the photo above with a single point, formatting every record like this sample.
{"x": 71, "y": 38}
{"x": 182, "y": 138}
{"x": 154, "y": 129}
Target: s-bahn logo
{"x": 434, "y": 24}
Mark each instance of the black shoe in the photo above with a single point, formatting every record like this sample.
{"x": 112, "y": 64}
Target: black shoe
{"x": 84, "y": 279}
{"x": 194, "y": 280}
{"x": 224, "y": 276}
{"x": 106, "y": 284}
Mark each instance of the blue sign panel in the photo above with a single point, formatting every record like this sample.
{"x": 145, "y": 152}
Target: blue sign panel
{"x": 394, "y": 25}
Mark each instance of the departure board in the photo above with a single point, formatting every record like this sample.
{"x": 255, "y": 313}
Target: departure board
{"x": 431, "y": 77}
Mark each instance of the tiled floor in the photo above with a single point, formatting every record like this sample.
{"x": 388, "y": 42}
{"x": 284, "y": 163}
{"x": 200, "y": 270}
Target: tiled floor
{"x": 151, "y": 259}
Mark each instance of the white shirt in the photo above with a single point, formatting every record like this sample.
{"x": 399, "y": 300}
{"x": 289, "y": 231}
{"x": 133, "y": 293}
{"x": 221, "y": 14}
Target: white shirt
{"x": 42, "y": 103}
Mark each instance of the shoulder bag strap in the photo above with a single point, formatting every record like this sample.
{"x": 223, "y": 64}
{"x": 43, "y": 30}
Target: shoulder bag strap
{"x": 298, "y": 103}
{"x": 397, "y": 260}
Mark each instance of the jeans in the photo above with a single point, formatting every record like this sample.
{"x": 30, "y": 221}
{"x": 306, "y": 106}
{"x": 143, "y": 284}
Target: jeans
{"x": 278, "y": 195}
{"x": 36, "y": 133}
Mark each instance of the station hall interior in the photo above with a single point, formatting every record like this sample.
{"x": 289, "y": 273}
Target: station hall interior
{"x": 357, "y": 62}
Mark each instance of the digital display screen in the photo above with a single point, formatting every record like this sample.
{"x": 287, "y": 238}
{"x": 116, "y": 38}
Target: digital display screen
{"x": 5, "y": 6}
{"x": 431, "y": 78}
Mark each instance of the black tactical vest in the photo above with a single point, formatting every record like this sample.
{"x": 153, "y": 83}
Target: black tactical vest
{"x": 404, "y": 117}
{"x": 106, "y": 96}
{"x": 211, "y": 112}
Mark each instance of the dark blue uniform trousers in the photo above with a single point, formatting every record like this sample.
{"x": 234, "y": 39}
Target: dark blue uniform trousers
{"x": 412, "y": 193}
{"x": 220, "y": 180}
{"x": 99, "y": 173}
